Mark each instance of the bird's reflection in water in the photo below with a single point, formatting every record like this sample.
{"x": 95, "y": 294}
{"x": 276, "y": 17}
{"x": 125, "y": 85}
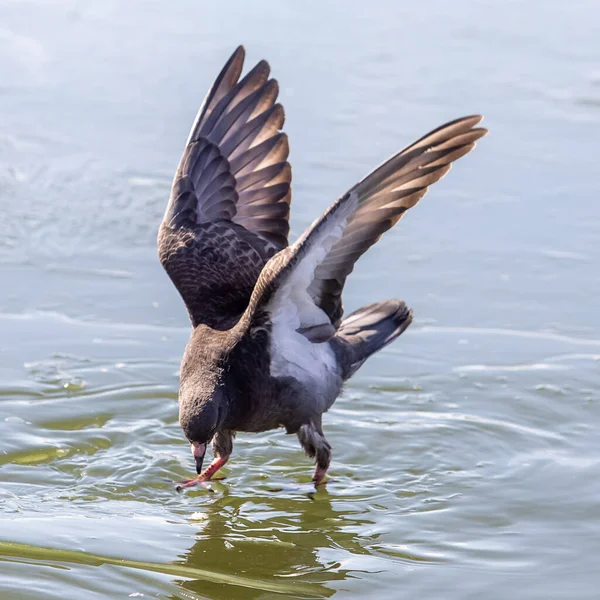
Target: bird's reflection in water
{"x": 290, "y": 540}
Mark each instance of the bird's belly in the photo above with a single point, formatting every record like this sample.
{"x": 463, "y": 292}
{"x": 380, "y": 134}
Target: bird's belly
{"x": 292, "y": 355}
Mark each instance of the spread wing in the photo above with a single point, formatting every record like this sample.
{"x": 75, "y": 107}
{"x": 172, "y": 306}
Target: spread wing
{"x": 382, "y": 198}
{"x": 230, "y": 201}
{"x": 301, "y": 286}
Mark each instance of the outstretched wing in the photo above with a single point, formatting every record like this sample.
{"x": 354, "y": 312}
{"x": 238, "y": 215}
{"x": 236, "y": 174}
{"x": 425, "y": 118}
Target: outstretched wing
{"x": 381, "y": 199}
{"x": 301, "y": 287}
{"x": 230, "y": 201}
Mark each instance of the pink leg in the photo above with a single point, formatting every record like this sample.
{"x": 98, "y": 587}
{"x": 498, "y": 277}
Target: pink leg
{"x": 319, "y": 475}
{"x": 215, "y": 465}
{"x": 206, "y": 475}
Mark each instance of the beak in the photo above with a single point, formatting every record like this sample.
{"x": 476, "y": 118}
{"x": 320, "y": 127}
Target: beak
{"x": 198, "y": 452}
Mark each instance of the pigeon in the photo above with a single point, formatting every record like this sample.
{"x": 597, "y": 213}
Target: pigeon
{"x": 270, "y": 346}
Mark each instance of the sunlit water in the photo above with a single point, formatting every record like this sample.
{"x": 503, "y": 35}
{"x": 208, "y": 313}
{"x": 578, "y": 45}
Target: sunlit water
{"x": 466, "y": 456}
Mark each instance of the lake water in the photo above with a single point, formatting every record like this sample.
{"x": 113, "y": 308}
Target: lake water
{"x": 466, "y": 455}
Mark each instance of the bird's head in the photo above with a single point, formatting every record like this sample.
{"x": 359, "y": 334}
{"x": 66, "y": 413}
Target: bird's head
{"x": 201, "y": 414}
{"x": 203, "y": 399}
{"x": 207, "y": 398}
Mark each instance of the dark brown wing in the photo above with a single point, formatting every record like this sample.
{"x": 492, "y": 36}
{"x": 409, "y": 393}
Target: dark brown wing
{"x": 383, "y": 197}
{"x": 214, "y": 266}
{"x": 301, "y": 286}
{"x": 233, "y": 173}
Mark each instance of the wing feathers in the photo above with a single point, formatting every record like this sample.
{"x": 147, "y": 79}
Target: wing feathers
{"x": 253, "y": 158}
{"x": 249, "y": 84}
{"x": 265, "y": 125}
{"x": 235, "y": 168}
{"x": 236, "y": 149}
{"x": 255, "y": 179}
{"x": 387, "y": 193}
{"x": 322, "y": 258}
{"x": 230, "y": 123}
{"x": 447, "y": 131}
{"x": 223, "y": 83}
{"x": 231, "y": 194}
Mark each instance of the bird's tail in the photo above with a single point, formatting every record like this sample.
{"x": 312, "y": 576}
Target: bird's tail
{"x": 370, "y": 328}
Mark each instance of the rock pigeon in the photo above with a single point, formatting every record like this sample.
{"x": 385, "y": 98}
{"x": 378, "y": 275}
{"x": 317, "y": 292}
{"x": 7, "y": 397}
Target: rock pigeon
{"x": 270, "y": 346}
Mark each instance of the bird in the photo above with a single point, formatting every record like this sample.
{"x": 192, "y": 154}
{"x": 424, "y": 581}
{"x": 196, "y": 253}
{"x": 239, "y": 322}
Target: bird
{"x": 270, "y": 347}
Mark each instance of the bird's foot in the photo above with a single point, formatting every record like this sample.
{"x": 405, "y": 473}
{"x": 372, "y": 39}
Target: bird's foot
{"x": 188, "y": 483}
{"x": 207, "y": 475}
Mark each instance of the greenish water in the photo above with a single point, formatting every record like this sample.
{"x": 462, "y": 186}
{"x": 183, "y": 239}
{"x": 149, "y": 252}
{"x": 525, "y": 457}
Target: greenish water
{"x": 466, "y": 456}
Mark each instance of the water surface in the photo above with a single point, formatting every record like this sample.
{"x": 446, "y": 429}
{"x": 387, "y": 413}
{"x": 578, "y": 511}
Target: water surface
{"x": 466, "y": 456}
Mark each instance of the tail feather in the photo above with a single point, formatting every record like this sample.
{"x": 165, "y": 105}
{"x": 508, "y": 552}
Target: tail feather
{"x": 370, "y": 328}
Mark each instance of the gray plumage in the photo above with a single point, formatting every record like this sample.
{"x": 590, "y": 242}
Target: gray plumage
{"x": 269, "y": 346}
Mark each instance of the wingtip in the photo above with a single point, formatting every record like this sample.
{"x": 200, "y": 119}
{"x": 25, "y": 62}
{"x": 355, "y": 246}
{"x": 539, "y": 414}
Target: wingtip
{"x": 480, "y": 131}
{"x": 234, "y": 65}
{"x": 470, "y": 120}
{"x": 238, "y": 56}
{"x": 265, "y": 65}
{"x": 475, "y": 120}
